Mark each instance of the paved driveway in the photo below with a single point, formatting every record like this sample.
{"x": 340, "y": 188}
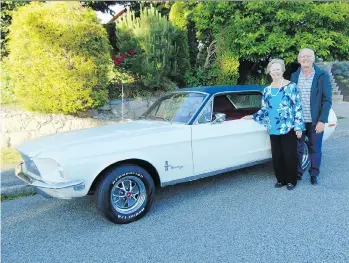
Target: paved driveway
{"x": 235, "y": 217}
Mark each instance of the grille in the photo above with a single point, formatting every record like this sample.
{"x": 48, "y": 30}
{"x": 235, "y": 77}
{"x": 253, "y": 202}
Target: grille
{"x": 30, "y": 165}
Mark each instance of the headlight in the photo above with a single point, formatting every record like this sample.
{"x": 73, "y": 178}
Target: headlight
{"x": 49, "y": 166}
{"x": 43, "y": 167}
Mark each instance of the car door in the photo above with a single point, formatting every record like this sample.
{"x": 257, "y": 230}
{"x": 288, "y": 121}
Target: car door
{"x": 232, "y": 143}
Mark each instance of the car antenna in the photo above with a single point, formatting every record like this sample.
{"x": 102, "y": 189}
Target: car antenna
{"x": 122, "y": 102}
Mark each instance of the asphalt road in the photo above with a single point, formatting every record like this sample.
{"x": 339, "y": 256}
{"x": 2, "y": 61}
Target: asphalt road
{"x": 234, "y": 217}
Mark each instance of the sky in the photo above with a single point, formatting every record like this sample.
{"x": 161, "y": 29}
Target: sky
{"x": 106, "y": 17}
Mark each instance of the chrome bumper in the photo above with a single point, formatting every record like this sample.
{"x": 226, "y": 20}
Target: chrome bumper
{"x": 78, "y": 185}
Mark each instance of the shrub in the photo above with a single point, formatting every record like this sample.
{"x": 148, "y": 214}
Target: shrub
{"x": 7, "y": 88}
{"x": 59, "y": 57}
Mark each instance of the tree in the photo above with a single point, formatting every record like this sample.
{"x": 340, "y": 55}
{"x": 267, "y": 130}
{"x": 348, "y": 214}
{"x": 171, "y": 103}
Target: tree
{"x": 59, "y": 58}
{"x": 7, "y": 7}
{"x": 102, "y": 6}
{"x": 254, "y": 32}
{"x": 160, "y": 56}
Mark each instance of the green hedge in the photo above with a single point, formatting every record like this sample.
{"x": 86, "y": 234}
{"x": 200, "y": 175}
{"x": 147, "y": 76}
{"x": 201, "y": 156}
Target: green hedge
{"x": 59, "y": 57}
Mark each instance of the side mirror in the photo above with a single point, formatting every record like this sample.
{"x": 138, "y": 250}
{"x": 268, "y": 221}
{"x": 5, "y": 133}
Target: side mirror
{"x": 219, "y": 118}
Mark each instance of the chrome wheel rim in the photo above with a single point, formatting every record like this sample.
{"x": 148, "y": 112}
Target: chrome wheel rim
{"x": 305, "y": 158}
{"x": 128, "y": 194}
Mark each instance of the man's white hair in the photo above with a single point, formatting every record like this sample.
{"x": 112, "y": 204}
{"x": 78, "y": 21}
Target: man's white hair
{"x": 307, "y": 49}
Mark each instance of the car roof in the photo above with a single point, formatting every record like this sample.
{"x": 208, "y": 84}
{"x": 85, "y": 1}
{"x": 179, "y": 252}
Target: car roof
{"x": 217, "y": 89}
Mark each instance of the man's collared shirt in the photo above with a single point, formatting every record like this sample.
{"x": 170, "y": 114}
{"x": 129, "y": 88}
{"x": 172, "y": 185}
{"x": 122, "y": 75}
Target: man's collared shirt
{"x": 304, "y": 86}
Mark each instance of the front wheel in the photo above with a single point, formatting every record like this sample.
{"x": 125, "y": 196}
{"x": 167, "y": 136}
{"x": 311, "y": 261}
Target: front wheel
{"x": 125, "y": 194}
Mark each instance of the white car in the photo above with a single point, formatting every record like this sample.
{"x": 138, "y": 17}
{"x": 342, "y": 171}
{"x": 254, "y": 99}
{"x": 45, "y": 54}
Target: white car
{"x": 185, "y": 135}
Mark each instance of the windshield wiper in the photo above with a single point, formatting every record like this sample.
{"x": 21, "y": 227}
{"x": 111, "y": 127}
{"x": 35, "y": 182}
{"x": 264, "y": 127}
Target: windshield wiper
{"x": 161, "y": 117}
{"x": 153, "y": 117}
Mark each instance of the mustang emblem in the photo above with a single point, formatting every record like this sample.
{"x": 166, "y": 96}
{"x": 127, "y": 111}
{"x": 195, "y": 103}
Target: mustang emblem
{"x": 167, "y": 166}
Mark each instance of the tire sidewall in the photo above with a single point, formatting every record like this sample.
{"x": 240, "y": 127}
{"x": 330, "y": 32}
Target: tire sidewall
{"x": 306, "y": 144}
{"x": 104, "y": 203}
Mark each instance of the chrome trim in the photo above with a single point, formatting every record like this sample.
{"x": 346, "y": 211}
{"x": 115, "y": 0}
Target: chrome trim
{"x": 38, "y": 183}
{"x": 196, "y": 122}
{"x": 200, "y": 176}
{"x": 241, "y": 91}
{"x": 231, "y": 102}
{"x": 188, "y": 91}
{"x": 128, "y": 194}
{"x": 219, "y": 118}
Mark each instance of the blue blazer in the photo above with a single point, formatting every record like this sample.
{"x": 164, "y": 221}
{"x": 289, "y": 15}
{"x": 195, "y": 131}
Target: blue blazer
{"x": 320, "y": 94}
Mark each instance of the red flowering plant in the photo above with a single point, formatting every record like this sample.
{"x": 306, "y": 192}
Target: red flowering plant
{"x": 121, "y": 72}
{"x": 122, "y": 58}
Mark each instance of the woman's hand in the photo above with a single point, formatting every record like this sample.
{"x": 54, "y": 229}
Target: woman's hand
{"x": 299, "y": 134}
{"x": 247, "y": 117}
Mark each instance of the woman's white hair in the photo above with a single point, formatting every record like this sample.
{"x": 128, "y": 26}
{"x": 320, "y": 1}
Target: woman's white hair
{"x": 275, "y": 61}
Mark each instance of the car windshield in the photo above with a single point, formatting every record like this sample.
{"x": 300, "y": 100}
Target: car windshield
{"x": 175, "y": 107}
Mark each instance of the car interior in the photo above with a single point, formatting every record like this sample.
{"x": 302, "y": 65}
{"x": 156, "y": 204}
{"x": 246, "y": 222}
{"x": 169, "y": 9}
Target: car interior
{"x": 224, "y": 104}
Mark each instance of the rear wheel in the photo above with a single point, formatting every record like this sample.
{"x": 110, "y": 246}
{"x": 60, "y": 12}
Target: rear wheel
{"x": 305, "y": 158}
{"x": 125, "y": 194}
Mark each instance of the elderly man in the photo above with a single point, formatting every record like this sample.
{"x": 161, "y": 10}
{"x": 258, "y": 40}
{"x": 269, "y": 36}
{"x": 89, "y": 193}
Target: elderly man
{"x": 316, "y": 94}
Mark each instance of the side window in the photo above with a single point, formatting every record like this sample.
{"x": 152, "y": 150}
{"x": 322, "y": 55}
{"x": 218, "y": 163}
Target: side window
{"x": 206, "y": 115}
{"x": 222, "y": 104}
{"x": 246, "y": 101}
{"x": 236, "y": 105}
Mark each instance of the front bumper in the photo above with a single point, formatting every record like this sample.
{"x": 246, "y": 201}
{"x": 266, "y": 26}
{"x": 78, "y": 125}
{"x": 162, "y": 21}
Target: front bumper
{"x": 64, "y": 190}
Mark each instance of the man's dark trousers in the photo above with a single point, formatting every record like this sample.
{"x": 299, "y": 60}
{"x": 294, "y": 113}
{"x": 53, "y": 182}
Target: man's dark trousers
{"x": 315, "y": 145}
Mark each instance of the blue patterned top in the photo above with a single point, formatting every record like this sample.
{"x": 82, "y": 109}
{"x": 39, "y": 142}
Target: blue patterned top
{"x": 281, "y": 112}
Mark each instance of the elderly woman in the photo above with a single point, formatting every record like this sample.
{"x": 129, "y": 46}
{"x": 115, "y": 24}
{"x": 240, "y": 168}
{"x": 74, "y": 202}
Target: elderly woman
{"x": 281, "y": 113}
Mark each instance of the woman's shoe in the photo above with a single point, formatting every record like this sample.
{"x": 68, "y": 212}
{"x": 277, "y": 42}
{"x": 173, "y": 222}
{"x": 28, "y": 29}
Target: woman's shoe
{"x": 279, "y": 185}
{"x": 290, "y": 186}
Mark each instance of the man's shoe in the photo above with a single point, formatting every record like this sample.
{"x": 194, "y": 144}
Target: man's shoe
{"x": 290, "y": 186}
{"x": 313, "y": 180}
{"x": 279, "y": 185}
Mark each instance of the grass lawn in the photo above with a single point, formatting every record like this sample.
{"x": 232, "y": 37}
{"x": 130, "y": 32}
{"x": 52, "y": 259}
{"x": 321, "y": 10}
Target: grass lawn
{"x": 15, "y": 196}
{"x": 10, "y": 156}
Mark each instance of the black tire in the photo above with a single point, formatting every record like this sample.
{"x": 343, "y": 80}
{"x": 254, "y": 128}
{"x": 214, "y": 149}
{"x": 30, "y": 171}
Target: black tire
{"x": 117, "y": 198}
{"x": 305, "y": 159}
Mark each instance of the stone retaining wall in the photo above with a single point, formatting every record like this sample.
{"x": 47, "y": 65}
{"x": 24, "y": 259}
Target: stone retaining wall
{"x": 18, "y": 125}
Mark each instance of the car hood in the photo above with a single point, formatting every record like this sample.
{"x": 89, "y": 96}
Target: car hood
{"x": 34, "y": 147}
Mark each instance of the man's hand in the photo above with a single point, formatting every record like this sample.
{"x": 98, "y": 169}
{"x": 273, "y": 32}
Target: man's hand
{"x": 247, "y": 117}
{"x": 299, "y": 134}
{"x": 320, "y": 126}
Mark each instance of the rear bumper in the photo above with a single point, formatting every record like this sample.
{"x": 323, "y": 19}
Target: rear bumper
{"x": 64, "y": 190}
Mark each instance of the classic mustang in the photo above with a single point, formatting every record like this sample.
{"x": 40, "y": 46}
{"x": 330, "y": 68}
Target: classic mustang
{"x": 187, "y": 134}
